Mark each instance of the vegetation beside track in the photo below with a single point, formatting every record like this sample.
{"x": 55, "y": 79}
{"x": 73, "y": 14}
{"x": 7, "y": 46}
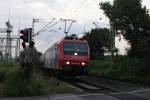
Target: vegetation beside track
{"x": 13, "y": 83}
{"x": 122, "y": 67}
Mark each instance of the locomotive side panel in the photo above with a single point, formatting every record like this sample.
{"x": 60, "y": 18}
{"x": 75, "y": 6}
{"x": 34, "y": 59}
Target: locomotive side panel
{"x": 60, "y": 55}
{"x": 50, "y": 57}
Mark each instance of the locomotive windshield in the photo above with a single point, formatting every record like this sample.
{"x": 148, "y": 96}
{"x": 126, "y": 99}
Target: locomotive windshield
{"x": 75, "y": 49}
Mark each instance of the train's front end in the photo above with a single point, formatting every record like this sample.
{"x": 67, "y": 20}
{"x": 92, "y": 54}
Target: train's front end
{"x": 76, "y": 55}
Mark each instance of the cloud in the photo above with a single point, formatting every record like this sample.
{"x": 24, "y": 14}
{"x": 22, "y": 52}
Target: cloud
{"x": 85, "y": 12}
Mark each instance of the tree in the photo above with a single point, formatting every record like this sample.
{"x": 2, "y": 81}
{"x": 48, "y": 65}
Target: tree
{"x": 99, "y": 42}
{"x": 71, "y": 37}
{"x": 26, "y": 66}
{"x": 130, "y": 17}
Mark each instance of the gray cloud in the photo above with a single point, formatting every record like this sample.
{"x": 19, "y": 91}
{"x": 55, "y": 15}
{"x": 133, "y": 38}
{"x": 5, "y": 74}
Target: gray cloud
{"x": 84, "y": 11}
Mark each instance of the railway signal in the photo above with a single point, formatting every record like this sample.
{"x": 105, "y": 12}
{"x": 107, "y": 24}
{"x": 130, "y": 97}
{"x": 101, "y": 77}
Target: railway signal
{"x": 26, "y": 35}
{"x": 31, "y": 44}
{"x": 23, "y": 45}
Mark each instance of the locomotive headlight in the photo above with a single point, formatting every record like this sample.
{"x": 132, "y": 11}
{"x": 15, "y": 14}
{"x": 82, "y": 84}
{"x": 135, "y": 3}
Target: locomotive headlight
{"x": 83, "y": 63}
{"x": 67, "y": 62}
{"x": 75, "y": 54}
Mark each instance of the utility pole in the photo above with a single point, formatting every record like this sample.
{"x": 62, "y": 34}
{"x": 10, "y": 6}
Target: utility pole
{"x": 71, "y": 22}
{"x": 16, "y": 49}
{"x": 112, "y": 31}
{"x": 8, "y": 40}
{"x": 2, "y": 30}
{"x": 33, "y": 22}
{"x": 16, "y": 38}
{"x": 18, "y": 43}
{"x": 7, "y": 47}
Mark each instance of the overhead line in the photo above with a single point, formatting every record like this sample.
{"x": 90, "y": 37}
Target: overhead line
{"x": 46, "y": 25}
{"x": 49, "y": 27}
{"x": 82, "y": 6}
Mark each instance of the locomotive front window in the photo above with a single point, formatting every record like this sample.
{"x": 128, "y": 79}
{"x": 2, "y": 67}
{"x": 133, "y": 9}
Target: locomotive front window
{"x": 79, "y": 48}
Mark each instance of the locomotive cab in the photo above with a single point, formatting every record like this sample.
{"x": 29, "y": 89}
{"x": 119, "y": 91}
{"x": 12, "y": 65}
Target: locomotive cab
{"x": 76, "y": 55}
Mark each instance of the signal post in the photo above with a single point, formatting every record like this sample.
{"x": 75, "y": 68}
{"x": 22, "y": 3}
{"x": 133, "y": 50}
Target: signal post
{"x": 27, "y": 44}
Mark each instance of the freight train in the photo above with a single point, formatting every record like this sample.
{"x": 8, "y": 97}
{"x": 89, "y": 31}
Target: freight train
{"x": 67, "y": 55}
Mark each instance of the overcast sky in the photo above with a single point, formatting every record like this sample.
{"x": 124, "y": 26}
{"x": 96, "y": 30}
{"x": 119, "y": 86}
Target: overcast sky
{"x": 85, "y": 12}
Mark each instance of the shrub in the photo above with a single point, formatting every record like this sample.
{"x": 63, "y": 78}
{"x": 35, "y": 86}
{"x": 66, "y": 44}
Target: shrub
{"x": 130, "y": 69}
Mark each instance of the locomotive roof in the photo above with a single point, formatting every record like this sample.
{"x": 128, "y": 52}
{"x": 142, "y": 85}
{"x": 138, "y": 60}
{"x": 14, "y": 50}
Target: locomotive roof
{"x": 79, "y": 41}
{"x": 64, "y": 40}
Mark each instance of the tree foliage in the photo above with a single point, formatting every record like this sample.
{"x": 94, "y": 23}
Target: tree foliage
{"x": 71, "y": 37}
{"x": 99, "y": 42}
{"x": 35, "y": 57}
{"x": 130, "y": 17}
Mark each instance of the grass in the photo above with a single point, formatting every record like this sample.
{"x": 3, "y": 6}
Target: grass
{"x": 13, "y": 84}
{"x": 5, "y": 68}
{"x": 121, "y": 68}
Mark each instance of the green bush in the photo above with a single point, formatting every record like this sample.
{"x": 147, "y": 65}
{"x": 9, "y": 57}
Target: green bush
{"x": 15, "y": 84}
{"x": 121, "y": 67}
{"x": 6, "y": 68}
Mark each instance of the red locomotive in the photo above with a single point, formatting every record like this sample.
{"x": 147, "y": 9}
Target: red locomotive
{"x": 70, "y": 55}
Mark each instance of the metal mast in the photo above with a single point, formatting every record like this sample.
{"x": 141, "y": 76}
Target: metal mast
{"x": 8, "y": 40}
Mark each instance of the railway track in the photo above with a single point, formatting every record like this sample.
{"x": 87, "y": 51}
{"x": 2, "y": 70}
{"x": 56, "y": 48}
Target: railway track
{"x": 94, "y": 83}
{"x": 119, "y": 85}
{"x": 86, "y": 86}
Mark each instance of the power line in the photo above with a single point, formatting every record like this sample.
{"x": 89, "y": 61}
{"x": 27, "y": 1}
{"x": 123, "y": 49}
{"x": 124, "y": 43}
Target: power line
{"x": 46, "y": 25}
{"x": 84, "y": 4}
{"x": 98, "y": 26}
{"x": 49, "y": 27}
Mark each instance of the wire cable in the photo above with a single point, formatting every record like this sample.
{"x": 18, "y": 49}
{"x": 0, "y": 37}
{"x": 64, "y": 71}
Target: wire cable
{"x": 46, "y": 25}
